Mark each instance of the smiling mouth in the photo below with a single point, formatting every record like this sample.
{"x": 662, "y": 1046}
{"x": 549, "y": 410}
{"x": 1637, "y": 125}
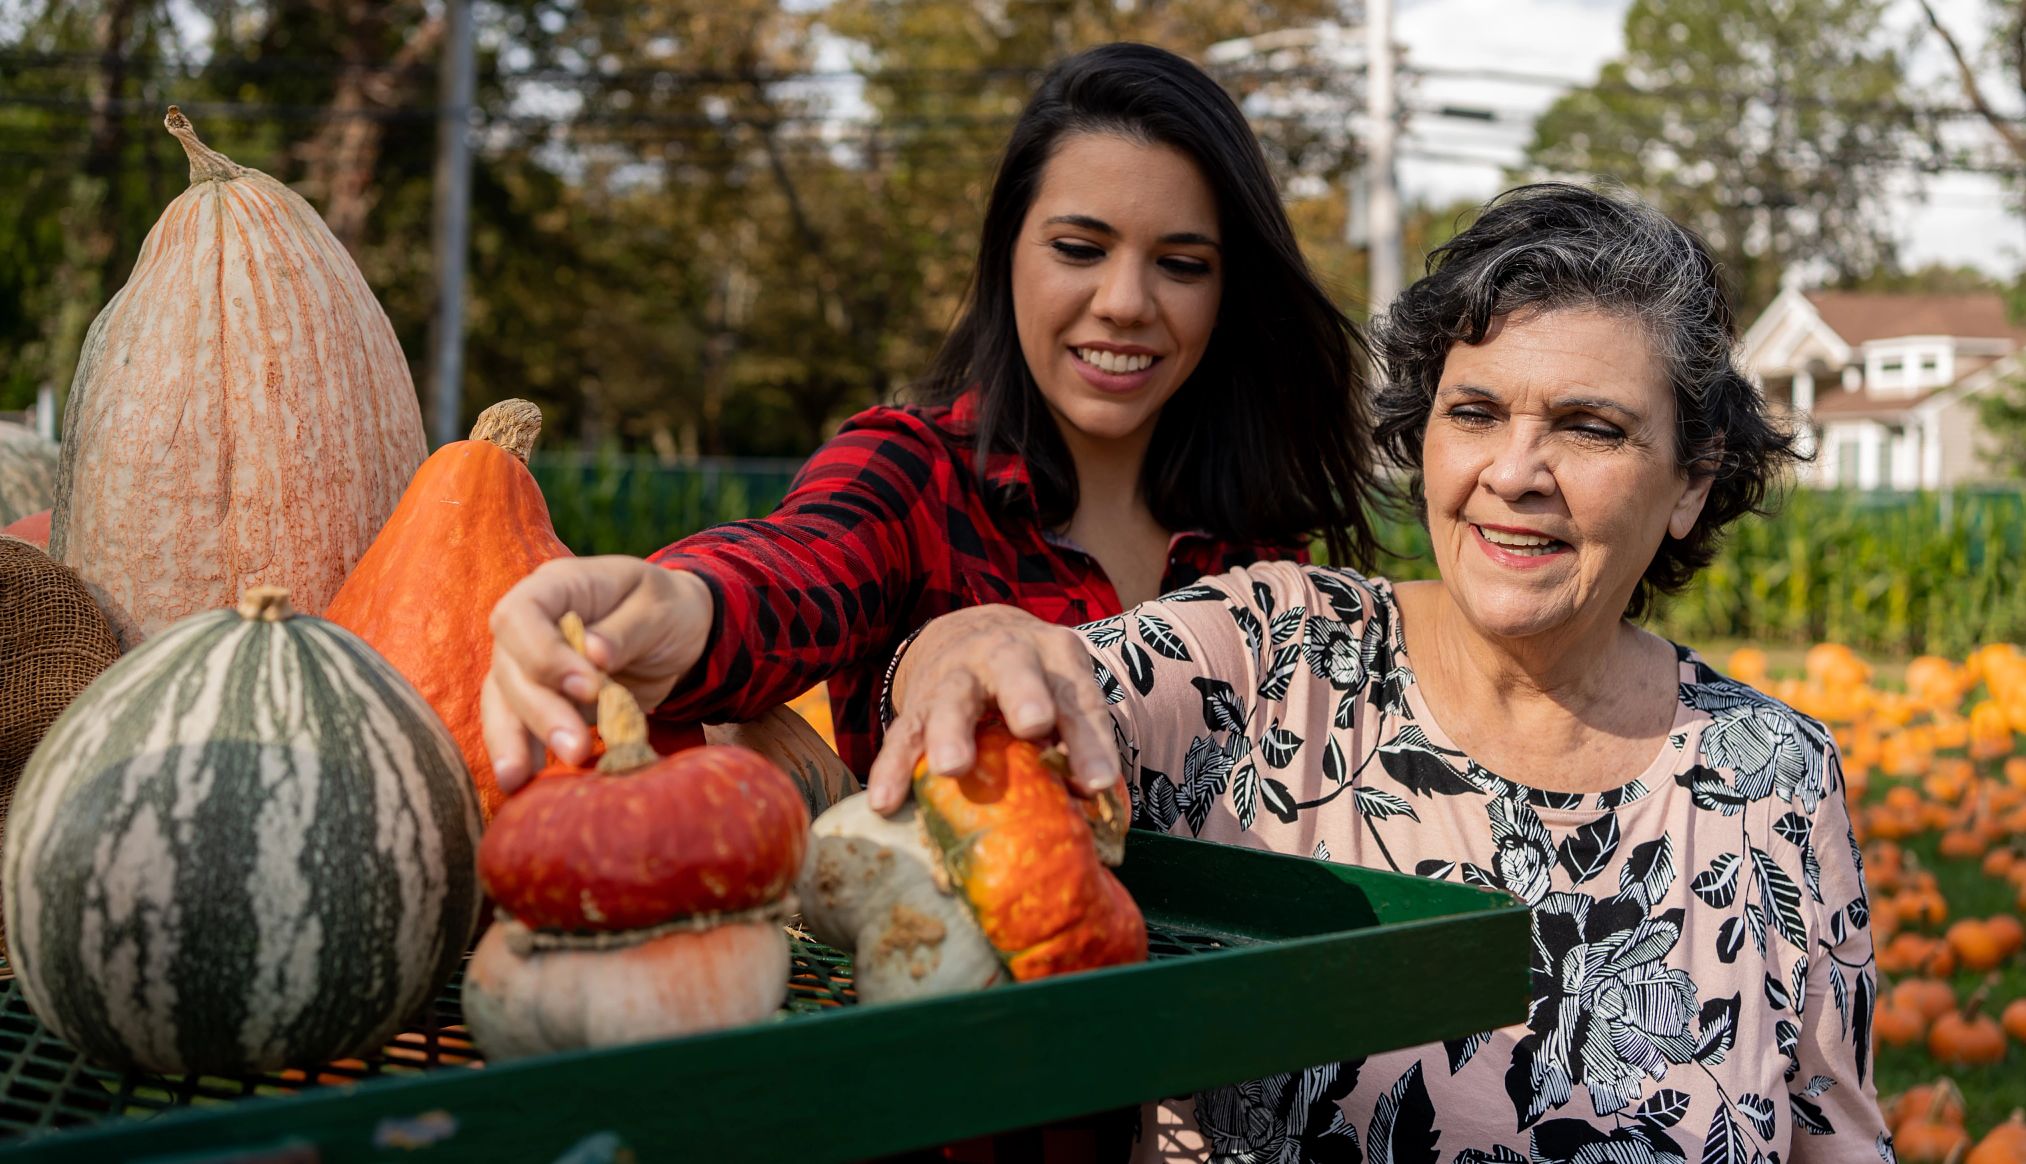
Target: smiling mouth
{"x": 1523, "y": 545}
{"x": 1116, "y": 363}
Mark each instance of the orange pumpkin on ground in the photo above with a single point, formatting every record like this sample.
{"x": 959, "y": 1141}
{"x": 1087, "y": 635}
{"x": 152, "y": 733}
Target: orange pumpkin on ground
{"x": 1922, "y": 1142}
{"x": 1030, "y": 860}
{"x": 1967, "y": 1038}
{"x": 1930, "y": 998}
{"x": 472, "y": 503}
{"x": 1898, "y": 1025}
{"x": 1938, "y": 1102}
{"x": 2004, "y": 1144}
{"x": 1977, "y": 946}
{"x": 2014, "y": 1019}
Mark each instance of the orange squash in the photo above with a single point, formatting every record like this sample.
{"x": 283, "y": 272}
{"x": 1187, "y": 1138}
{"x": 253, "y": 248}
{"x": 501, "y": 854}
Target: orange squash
{"x": 1967, "y": 1038}
{"x": 2014, "y": 1019}
{"x": 1930, "y": 998}
{"x": 472, "y": 523}
{"x": 1940, "y": 1102}
{"x": 1030, "y": 861}
{"x": 1922, "y": 1142}
{"x": 1977, "y": 946}
{"x": 33, "y": 529}
{"x": 2004, "y": 1144}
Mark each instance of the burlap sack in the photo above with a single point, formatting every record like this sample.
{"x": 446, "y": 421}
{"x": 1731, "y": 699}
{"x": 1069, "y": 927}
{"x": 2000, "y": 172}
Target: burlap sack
{"x": 54, "y": 641}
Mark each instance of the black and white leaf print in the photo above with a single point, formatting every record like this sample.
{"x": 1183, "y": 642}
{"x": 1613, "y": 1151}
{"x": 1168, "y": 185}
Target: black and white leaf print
{"x": 1479, "y": 875}
{"x": 1262, "y": 597}
{"x": 1414, "y": 763}
{"x": 1718, "y": 885}
{"x": 1726, "y": 1141}
{"x": 1780, "y": 897}
{"x": 1730, "y": 938}
{"x": 1558, "y": 801}
{"x": 1525, "y": 856}
{"x": 1588, "y": 851}
{"x": 1710, "y": 791}
{"x": 1499, "y": 1154}
{"x": 1156, "y": 633}
{"x": 1335, "y": 770}
{"x": 1434, "y": 867}
{"x": 1245, "y": 794}
{"x": 1839, "y": 929}
{"x": 1277, "y": 799}
{"x": 1462, "y": 1050}
{"x": 1322, "y": 851}
{"x": 1860, "y": 913}
{"x": 1799, "y": 976}
{"x": 1286, "y": 624}
{"x": 1648, "y": 873}
{"x": 1718, "y": 1024}
{"x": 1883, "y": 1145}
{"x": 1198, "y": 593}
{"x": 1839, "y": 991}
{"x": 1106, "y": 632}
{"x": 1249, "y": 623}
{"x": 1811, "y": 872}
{"x": 1343, "y": 597}
{"x": 1157, "y": 804}
{"x": 1279, "y": 745}
{"x": 1755, "y": 922}
{"x": 1808, "y": 1116}
{"x": 1787, "y": 1038}
{"x": 1347, "y": 710}
{"x": 1205, "y": 769}
{"x": 1379, "y": 804}
{"x": 1817, "y": 1085}
{"x": 1139, "y": 667}
{"x": 1663, "y": 1109}
{"x": 1793, "y": 827}
{"x": 1776, "y": 992}
{"x": 1759, "y": 1110}
{"x": 1862, "y": 995}
{"x": 1106, "y": 681}
{"x": 1403, "y": 1123}
{"x": 1279, "y": 674}
{"x": 1333, "y": 653}
{"x": 1622, "y": 795}
{"x": 1222, "y": 712}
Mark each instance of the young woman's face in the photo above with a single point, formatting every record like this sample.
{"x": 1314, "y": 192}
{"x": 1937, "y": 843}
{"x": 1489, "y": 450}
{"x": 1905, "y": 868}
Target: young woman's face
{"x": 1117, "y": 274}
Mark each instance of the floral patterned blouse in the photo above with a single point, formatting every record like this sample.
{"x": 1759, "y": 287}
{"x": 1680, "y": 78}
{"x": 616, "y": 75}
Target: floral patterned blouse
{"x": 1702, "y": 964}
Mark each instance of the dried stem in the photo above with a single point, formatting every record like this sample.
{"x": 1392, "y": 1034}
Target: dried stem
{"x": 266, "y": 603}
{"x": 206, "y": 164}
{"x": 512, "y": 425}
{"x": 621, "y": 723}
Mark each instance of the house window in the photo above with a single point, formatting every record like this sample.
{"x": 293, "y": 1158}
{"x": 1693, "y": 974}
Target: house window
{"x": 1930, "y": 363}
{"x": 1891, "y": 367}
{"x": 1847, "y": 452}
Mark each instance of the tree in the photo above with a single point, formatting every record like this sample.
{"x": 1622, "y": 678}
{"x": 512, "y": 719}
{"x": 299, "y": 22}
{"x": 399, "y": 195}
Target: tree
{"x": 1772, "y": 127}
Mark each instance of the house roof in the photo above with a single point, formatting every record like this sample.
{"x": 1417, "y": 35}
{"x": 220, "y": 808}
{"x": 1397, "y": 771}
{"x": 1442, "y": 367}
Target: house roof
{"x": 1842, "y": 405}
{"x": 1860, "y": 316}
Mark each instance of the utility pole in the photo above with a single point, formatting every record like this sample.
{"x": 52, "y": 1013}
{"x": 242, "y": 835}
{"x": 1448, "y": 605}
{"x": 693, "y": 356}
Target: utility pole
{"x": 1382, "y": 198}
{"x": 452, "y": 227}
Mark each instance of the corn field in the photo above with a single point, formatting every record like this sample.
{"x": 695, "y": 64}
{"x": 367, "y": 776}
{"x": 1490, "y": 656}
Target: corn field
{"x": 1895, "y": 573}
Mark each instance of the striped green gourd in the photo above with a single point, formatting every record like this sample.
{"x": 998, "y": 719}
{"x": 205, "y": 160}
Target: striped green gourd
{"x": 250, "y": 843}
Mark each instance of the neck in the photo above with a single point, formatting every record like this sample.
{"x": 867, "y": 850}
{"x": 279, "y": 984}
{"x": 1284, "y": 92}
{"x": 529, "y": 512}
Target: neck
{"x": 1107, "y": 472}
{"x": 1572, "y": 671}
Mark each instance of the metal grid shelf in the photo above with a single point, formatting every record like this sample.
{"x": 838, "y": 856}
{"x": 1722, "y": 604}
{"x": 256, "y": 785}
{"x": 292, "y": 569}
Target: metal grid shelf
{"x": 45, "y": 1086}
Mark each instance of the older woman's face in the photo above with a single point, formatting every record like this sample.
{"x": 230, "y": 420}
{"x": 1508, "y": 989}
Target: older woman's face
{"x": 1551, "y": 473}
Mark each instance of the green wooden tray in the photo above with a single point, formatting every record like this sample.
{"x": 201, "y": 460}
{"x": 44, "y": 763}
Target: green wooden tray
{"x": 1262, "y": 963}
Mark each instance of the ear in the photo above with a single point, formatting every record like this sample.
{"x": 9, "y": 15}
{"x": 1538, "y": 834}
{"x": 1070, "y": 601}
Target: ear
{"x": 1695, "y": 491}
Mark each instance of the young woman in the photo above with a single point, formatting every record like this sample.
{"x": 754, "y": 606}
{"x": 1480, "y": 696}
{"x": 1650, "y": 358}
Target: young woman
{"x": 1146, "y": 386}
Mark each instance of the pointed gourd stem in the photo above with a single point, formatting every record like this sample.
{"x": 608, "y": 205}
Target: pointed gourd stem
{"x": 266, "y": 604}
{"x": 621, "y": 723}
{"x": 512, "y": 425}
{"x": 206, "y": 164}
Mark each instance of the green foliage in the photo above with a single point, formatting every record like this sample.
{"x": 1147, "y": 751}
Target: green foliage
{"x": 1768, "y": 127}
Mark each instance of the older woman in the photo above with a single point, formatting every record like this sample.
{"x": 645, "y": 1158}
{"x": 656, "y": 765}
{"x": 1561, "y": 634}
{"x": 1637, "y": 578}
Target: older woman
{"x": 1561, "y": 391}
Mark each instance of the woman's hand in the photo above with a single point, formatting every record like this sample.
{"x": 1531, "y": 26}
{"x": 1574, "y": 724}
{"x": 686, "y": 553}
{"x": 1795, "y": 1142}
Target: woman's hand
{"x": 963, "y": 665}
{"x": 645, "y": 628}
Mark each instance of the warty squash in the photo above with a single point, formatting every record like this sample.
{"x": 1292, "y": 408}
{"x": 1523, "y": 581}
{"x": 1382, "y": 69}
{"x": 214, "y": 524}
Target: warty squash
{"x": 242, "y": 414}
{"x": 247, "y": 844}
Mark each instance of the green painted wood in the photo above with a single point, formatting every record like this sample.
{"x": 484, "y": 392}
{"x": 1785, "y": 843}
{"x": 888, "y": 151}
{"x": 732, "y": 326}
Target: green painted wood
{"x": 1398, "y": 961}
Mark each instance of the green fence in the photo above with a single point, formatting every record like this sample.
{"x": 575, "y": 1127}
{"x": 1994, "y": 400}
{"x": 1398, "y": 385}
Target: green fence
{"x": 1902, "y": 573}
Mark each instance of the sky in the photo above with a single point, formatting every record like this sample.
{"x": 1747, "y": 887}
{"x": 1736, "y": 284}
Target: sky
{"x": 1954, "y": 218}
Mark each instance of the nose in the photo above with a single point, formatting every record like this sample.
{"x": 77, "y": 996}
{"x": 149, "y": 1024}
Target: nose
{"x": 1124, "y": 297}
{"x": 1520, "y": 466}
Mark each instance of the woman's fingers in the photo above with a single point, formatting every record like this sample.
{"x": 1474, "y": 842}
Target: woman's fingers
{"x": 543, "y": 712}
{"x": 514, "y": 751}
{"x": 950, "y": 740}
{"x": 886, "y": 786}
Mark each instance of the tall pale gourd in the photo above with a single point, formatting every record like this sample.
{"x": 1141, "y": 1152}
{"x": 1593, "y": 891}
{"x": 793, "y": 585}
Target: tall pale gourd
{"x": 242, "y": 413}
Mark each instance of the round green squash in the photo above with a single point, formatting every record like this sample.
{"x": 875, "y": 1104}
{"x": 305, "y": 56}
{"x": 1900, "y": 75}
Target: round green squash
{"x": 248, "y": 844}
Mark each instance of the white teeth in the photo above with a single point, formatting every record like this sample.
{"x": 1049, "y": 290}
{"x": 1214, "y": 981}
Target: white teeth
{"x": 1524, "y": 543}
{"x": 1114, "y": 362}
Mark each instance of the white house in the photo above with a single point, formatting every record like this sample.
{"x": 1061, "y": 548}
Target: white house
{"x": 1887, "y": 384}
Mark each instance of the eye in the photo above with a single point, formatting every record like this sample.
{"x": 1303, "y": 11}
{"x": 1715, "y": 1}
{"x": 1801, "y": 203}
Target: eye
{"x": 1077, "y": 252}
{"x": 1185, "y": 267}
{"x": 1471, "y": 415}
{"x": 1602, "y": 431}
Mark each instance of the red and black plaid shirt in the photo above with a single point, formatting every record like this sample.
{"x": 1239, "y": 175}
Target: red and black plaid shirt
{"x": 885, "y": 528}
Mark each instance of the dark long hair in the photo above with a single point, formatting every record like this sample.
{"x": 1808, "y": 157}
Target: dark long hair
{"x": 1270, "y": 437}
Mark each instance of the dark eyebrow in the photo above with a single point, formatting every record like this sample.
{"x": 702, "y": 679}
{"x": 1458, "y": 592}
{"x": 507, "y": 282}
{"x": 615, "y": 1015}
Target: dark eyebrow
{"x": 1100, "y": 226}
{"x": 1562, "y": 403}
